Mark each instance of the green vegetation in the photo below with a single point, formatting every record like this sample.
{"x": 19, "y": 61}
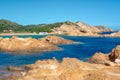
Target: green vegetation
{"x": 8, "y": 25}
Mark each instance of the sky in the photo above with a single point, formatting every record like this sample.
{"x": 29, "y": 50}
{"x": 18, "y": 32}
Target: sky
{"x": 92, "y": 12}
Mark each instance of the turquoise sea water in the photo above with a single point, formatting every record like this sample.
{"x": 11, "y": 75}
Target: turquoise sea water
{"x": 89, "y": 46}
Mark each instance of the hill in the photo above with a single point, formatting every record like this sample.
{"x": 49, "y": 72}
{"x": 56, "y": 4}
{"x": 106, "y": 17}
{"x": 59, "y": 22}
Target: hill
{"x": 78, "y": 29}
{"x": 58, "y": 27}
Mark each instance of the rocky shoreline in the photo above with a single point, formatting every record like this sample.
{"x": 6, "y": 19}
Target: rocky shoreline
{"x": 99, "y": 67}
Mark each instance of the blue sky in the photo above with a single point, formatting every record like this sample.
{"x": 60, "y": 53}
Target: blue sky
{"x": 93, "y": 12}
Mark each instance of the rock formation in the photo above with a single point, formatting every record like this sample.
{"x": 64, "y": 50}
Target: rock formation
{"x": 99, "y": 58}
{"x": 112, "y": 59}
{"x": 25, "y": 45}
{"x": 56, "y": 40}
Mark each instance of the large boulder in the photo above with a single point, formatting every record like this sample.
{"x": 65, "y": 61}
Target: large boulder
{"x": 56, "y": 40}
{"x": 115, "y": 54}
{"x": 99, "y": 58}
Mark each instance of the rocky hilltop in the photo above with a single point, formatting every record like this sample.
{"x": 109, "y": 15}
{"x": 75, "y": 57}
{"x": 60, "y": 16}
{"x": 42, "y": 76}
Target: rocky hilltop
{"x": 31, "y": 45}
{"x": 79, "y": 29}
{"x": 74, "y": 69}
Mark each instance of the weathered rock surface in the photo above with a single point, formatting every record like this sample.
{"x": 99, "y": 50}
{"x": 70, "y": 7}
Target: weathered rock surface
{"x": 70, "y": 69}
{"x": 25, "y": 45}
{"x": 56, "y": 40}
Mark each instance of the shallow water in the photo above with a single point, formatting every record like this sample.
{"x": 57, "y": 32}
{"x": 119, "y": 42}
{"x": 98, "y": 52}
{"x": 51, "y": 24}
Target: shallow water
{"x": 89, "y": 46}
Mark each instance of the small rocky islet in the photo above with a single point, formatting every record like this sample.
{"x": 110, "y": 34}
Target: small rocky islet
{"x": 30, "y": 45}
{"x": 99, "y": 67}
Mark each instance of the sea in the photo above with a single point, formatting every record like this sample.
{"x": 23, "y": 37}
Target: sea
{"x": 87, "y": 47}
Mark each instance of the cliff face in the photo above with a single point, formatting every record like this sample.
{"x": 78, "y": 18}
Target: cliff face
{"x": 78, "y": 29}
{"x": 74, "y": 69}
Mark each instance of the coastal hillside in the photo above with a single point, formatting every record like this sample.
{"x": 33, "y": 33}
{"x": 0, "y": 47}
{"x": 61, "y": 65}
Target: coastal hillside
{"x": 56, "y": 28}
{"x": 79, "y": 28}
{"x": 15, "y": 27}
